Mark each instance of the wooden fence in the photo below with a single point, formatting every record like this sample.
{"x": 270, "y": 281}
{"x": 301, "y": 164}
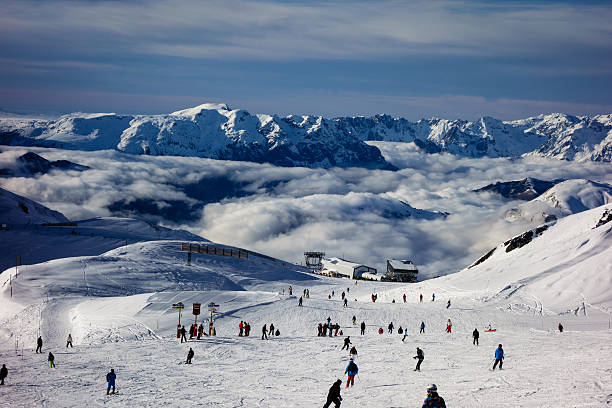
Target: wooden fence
{"x": 213, "y": 250}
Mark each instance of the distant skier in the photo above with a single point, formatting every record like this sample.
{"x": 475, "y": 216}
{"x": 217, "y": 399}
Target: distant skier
{"x": 51, "y": 359}
{"x": 190, "y": 355}
{"x": 404, "y": 298}
{"x": 373, "y": 298}
{"x": 290, "y": 290}
{"x": 499, "y": 357}
{"x": 422, "y": 328}
{"x": 433, "y": 297}
{"x": 264, "y": 332}
{"x": 421, "y": 298}
{"x": 475, "y": 335}
{"x": 110, "y": 379}
{"x": 201, "y": 331}
{"x": 405, "y": 334}
{"x": 39, "y": 345}
{"x": 3, "y": 374}
{"x": 307, "y": 293}
{"x": 420, "y": 357}
{"x": 271, "y": 332}
{"x": 354, "y": 320}
{"x": 380, "y": 330}
{"x": 240, "y": 328}
{"x": 560, "y": 327}
{"x": 345, "y": 302}
{"x": 351, "y": 370}
{"x": 277, "y": 333}
{"x": 183, "y": 332}
{"x": 390, "y": 327}
{"x": 334, "y": 395}
{"x": 433, "y": 400}
{"x": 353, "y": 352}
{"x": 449, "y": 326}
{"x": 300, "y": 301}
{"x": 448, "y": 304}
{"x": 332, "y": 293}
{"x": 347, "y": 341}
{"x": 69, "y": 341}
{"x": 400, "y": 330}
{"x": 362, "y": 328}
{"x": 343, "y": 295}
{"x": 247, "y": 329}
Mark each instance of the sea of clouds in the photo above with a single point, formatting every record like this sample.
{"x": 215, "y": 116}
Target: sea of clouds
{"x": 354, "y": 213}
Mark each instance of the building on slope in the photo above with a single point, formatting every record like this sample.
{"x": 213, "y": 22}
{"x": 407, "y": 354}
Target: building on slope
{"x": 401, "y": 271}
{"x": 341, "y": 268}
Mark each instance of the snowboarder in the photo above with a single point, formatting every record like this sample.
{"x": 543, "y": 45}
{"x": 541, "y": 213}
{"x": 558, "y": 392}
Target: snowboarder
{"x": 560, "y": 327}
{"x": 110, "y": 379}
{"x": 271, "y": 332}
{"x": 449, "y": 326}
{"x": 69, "y": 341}
{"x": 353, "y": 352}
{"x": 3, "y": 374}
{"x": 354, "y": 320}
{"x": 421, "y": 298}
{"x": 390, "y": 327}
{"x": 264, "y": 332}
{"x": 475, "y": 335}
{"x": 347, "y": 341}
{"x": 300, "y": 301}
{"x": 433, "y": 297}
{"x": 422, "y": 328}
{"x": 499, "y": 357}
{"x": 183, "y": 332}
{"x": 433, "y": 400}
{"x": 51, "y": 359}
{"x": 351, "y": 370}
{"x": 345, "y": 302}
{"x": 362, "y": 328}
{"x": 448, "y": 304}
{"x": 189, "y": 356}
{"x": 334, "y": 395}
{"x": 404, "y": 298}
{"x": 39, "y": 345}
{"x": 420, "y": 356}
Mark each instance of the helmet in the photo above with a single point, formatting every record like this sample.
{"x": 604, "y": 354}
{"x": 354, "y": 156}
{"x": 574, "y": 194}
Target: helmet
{"x": 499, "y": 345}
{"x": 432, "y": 387}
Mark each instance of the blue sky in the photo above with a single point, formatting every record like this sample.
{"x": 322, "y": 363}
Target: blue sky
{"x": 412, "y": 59}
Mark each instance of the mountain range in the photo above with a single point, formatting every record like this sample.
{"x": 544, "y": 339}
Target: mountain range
{"x": 219, "y": 132}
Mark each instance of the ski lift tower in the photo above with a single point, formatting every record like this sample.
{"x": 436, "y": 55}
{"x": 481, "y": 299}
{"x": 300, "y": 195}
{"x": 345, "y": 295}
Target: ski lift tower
{"x": 313, "y": 260}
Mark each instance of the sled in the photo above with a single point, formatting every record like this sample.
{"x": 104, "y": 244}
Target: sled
{"x": 490, "y": 330}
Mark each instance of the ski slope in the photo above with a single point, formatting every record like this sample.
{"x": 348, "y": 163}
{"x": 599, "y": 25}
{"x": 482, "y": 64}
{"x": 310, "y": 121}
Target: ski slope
{"x": 117, "y": 307}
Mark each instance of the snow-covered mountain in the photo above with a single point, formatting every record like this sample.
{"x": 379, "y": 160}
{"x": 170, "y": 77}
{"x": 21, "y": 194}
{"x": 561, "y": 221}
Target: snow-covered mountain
{"x": 525, "y": 189}
{"x": 31, "y": 164}
{"x": 568, "y": 197}
{"x": 216, "y": 131}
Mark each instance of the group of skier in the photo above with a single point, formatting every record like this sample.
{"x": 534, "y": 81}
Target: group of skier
{"x": 244, "y": 328}
{"x": 328, "y": 329}
{"x": 265, "y": 331}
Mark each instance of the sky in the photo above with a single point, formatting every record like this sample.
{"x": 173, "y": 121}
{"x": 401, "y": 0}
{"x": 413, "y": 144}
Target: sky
{"x": 449, "y": 59}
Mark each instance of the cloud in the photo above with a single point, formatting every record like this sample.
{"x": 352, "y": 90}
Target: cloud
{"x": 352, "y": 213}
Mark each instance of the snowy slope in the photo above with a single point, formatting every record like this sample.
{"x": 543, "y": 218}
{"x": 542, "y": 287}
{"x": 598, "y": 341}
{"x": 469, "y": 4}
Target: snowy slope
{"x": 216, "y": 131}
{"x": 15, "y": 209}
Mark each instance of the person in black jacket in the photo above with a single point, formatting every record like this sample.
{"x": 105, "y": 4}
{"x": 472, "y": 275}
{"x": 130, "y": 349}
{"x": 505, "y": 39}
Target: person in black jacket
{"x": 189, "y": 356}
{"x": 347, "y": 341}
{"x": 51, "y": 360}
{"x": 475, "y": 334}
{"x": 362, "y": 328}
{"x": 39, "y": 345}
{"x": 183, "y": 332}
{"x": 420, "y": 356}
{"x": 334, "y": 395}
{"x": 3, "y": 374}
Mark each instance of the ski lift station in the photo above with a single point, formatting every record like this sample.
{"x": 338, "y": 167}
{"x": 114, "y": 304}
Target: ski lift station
{"x": 341, "y": 268}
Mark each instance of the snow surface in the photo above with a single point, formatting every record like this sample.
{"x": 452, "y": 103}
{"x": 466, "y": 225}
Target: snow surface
{"x": 117, "y": 307}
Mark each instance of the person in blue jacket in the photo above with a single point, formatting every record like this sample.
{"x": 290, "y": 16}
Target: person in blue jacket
{"x": 110, "y": 379}
{"x": 499, "y": 357}
{"x": 351, "y": 370}
{"x": 433, "y": 400}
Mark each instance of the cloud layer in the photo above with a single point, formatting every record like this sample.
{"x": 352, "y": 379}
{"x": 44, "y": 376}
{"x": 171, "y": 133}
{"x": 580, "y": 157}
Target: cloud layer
{"x": 352, "y": 213}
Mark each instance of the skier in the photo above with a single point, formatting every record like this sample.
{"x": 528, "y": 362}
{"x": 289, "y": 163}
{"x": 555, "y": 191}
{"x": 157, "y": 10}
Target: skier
{"x": 300, "y": 301}
{"x": 200, "y": 331}
{"x": 449, "y": 326}
{"x": 345, "y": 302}
{"x": 271, "y": 332}
{"x": 332, "y": 293}
{"x": 373, "y": 299}
{"x": 189, "y": 356}
{"x": 433, "y": 297}
{"x": 362, "y": 328}
{"x": 390, "y": 327}
{"x": 448, "y": 304}
{"x": 560, "y": 327}
{"x": 110, "y": 379}
{"x": 3, "y": 374}
{"x": 433, "y": 400}
{"x": 307, "y": 293}
{"x": 334, "y": 395}
{"x": 347, "y": 341}
{"x": 264, "y": 332}
{"x": 39, "y": 345}
{"x": 499, "y": 357}
{"x": 241, "y": 328}
{"x": 343, "y": 295}
{"x": 319, "y": 330}
{"x": 69, "y": 341}
{"x": 404, "y": 298}
{"x": 421, "y": 298}
{"x": 290, "y": 290}
{"x": 247, "y": 329}
{"x": 51, "y": 359}
{"x": 351, "y": 370}
{"x": 191, "y": 332}
{"x": 422, "y": 328}
{"x": 354, "y": 320}
{"x": 183, "y": 332}
{"x": 475, "y": 335}
{"x": 420, "y": 356}
{"x": 405, "y": 334}
{"x": 353, "y": 352}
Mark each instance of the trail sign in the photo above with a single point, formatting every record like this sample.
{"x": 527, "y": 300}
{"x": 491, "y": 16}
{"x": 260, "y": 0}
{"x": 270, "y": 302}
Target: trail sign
{"x": 178, "y": 305}
{"x": 196, "y": 309}
{"x": 212, "y": 307}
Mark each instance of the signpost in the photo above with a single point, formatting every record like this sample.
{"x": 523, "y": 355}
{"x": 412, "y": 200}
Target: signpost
{"x": 180, "y": 306}
{"x": 196, "y": 311}
{"x": 212, "y": 307}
